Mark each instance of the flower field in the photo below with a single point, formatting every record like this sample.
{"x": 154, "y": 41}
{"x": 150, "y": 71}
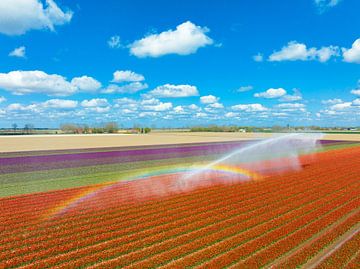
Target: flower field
{"x": 69, "y": 213}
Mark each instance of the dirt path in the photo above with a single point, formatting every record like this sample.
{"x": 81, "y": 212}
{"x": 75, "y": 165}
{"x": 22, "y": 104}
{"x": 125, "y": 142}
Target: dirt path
{"x": 59, "y": 142}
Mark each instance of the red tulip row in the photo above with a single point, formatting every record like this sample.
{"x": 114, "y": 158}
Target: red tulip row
{"x": 354, "y": 263}
{"x": 204, "y": 225}
{"x": 344, "y": 254}
{"x": 113, "y": 204}
{"x": 307, "y": 252}
{"x": 290, "y": 241}
{"x": 71, "y": 227}
{"x": 241, "y": 245}
{"x": 169, "y": 245}
{"x": 52, "y": 224}
{"x": 222, "y": 207}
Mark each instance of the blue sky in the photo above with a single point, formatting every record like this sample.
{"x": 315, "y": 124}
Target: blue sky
{"x": 180, "y": 63}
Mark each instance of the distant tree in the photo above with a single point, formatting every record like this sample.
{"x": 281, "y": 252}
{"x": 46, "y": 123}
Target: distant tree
{"x": 14, "y": 126}
{"x": 28, "y": 128}
{"x": 69, "y": 128}
{"x": 147, "y": 130}
{"x": 111, "y": 127}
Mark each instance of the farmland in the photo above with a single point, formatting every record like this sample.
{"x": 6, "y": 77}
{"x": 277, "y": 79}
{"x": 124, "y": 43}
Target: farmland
{"x": 114, "y": 207}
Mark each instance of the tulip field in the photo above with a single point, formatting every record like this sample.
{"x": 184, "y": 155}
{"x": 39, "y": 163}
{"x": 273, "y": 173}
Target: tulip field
{"x": 115, "y": 208}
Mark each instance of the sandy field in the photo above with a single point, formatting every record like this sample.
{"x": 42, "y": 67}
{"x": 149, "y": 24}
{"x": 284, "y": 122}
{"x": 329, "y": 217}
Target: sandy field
{"x": 54, "y": 142}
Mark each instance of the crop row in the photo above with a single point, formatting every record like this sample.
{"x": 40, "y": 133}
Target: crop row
{"x": 161, "y": 221}
{"x": 248, "y": 224}
{"x": 193, "y": 230}
{"x": 343, "y": 255}
{"x": 307, "y": 252}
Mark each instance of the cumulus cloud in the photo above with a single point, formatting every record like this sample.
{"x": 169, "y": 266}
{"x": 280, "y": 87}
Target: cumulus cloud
{"x": 2, "y": 99}
{"x": 231, "y": 115}
{"x": 341, "y": 106}
{"x": 323, "y": 5}
{"x": 216, "y": 105}
{"x": 96, "y": 102}
{"x": 114, "y": 42}
{"x": 60, "y": 103}
{"x": 19, "y": 16}
{"x": 352, "y": 55}
{"x": 86, "y": 83}
{"x": 127, "y": 88}
{"x": 245, "y": 88}
{"x": 332, "y": 101}
{"x": 356, "y": 91}
{"x": 127, "y": 76}
{"x": 249, "y": 107}
{"x": 186, "y": 39}
{"x": 209, "y": 99}
{"x": 174, "y": 91}
{"x": 160, "y": 106}
{"x": 271, "y": 93}
{"x": 18, "y": 52}
{"x": 291, "y": 105}
{"x": 27, "y": 82}
{"x": 295, "y": 51}
{"x": 296, "y": 96}
{"x": 356, "y": 102}
{"x": 194, "y": 107}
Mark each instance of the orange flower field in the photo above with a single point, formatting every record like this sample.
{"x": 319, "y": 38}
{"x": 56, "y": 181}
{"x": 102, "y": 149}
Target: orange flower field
{"x": 308, "y": 217}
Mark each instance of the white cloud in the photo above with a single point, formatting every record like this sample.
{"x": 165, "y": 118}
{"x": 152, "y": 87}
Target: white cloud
{"x": 148, "y": 114}
{"x": 258, "y": 57}
{"x": 60, "y": 103}
{"x": 186, "y": 39}
{"x": 125, "y": 100}
{"x": 341, "y": 106}
{"x": 19, "y": 16}
{"x": 18, "y": 52}
{"x": 127, "y": 76}
{"x": 209, "y": 99}
{"x": 96, "y": 102}
{"x": 297, "y": 96}
{"x": 356, "y": 91}
{"x": 352, "y": 55}
{"x": 127, "y": 88}
{"x": 291, "y": 105}
{"x": 99, "y": 109}
{"x": 231, "y": 115}
{"x": 271, "y": 93}
{"x": 332, "y": 101}
{"x": 158, "y": 107}
{"x": 86, "y": 83}
{"x": 194, "y": 107}
{"x": 325, "y": 4}
{"x": 295, "y": 51}
{"x": 2, "y": 99}
{"x": 151, "y": 101}
{"x": 356, "y": 102}
{"x": 245, "y": 88}
{"x": 249, "y": 107}
{"x": 179, "y": 109}
{"x": 201, "y": 115}
{"x": 216, "y": 105}
{"x": 114, "y": 42}
{"x": 27, "y": 82}
{"x": 173, "y": 91}
{"x": 18, "y": 107}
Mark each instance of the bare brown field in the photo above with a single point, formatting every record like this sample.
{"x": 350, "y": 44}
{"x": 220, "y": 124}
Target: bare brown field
{"x": 60, "y": 142}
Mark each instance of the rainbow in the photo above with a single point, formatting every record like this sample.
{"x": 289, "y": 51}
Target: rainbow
{"x": 168, "y": 170}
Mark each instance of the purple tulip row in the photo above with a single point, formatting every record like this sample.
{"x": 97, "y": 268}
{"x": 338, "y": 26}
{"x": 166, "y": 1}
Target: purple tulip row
{"x": 59, "y": 161}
